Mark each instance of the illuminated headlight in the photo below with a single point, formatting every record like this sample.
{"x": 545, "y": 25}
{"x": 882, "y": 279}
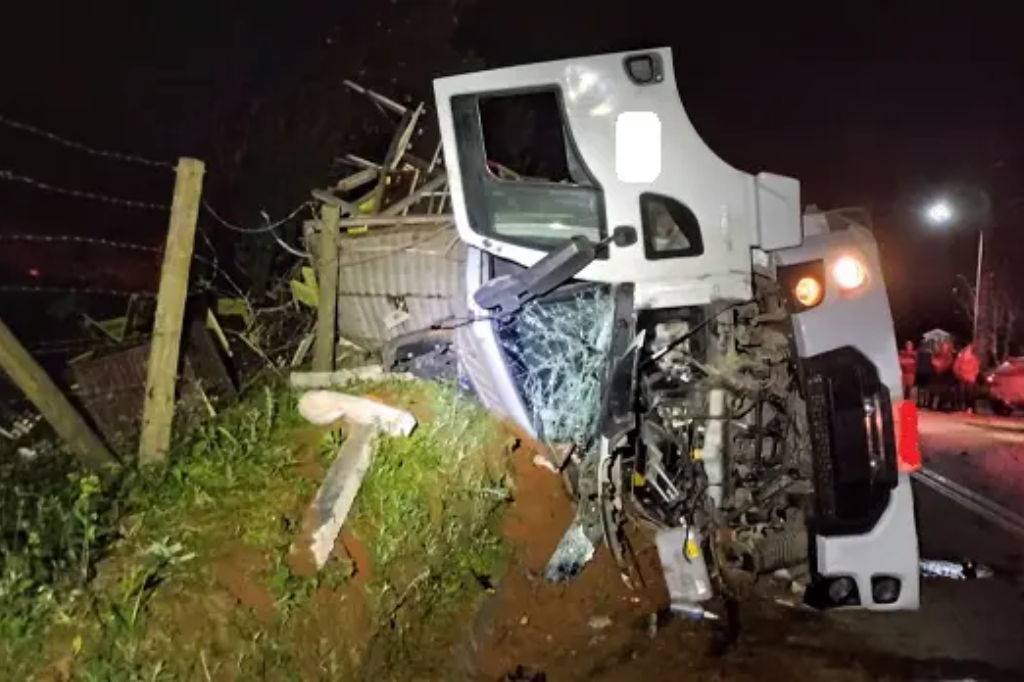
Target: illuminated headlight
{"x": 849, "y": 272}
{"x": 808, "y": 292}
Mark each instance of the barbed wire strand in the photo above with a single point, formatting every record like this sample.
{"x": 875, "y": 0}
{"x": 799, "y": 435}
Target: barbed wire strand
{"x": 85, "y": 291}
{"x": 78, "y": 146}
{"x": 254, "y": 230}
{"x": 96, "y": 344}
{"x": 88, "y": 340}
{"x": 88, "y": 291}
{"x": 81, "y": 194}
{"x": 78, "y": 239}
{"x": 99, "y": 241}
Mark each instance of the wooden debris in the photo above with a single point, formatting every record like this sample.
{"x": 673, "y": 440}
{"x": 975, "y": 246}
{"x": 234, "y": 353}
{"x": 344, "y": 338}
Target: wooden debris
{"x": 380, "y": 99}
{"x": 327, "y": 319}
{"x": 16, "y": 362}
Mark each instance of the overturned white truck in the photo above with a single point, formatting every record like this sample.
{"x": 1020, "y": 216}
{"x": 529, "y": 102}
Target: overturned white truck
{"x": 709, "y": 362}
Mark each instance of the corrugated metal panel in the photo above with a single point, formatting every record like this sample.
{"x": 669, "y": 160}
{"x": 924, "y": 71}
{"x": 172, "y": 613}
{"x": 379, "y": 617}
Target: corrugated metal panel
{"x": 418, "y": 270}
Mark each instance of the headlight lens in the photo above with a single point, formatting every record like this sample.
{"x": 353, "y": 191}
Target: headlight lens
{"x": 808, "y": 291}
{"x": 849, "y": 272}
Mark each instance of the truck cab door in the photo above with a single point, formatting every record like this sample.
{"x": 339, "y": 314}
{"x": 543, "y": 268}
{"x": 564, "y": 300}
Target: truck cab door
{"x": 610, "y": 145}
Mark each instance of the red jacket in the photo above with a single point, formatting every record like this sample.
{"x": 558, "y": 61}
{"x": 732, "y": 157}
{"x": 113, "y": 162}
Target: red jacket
{"x": 967, "y": 366}
{"x": 908, "y": 366}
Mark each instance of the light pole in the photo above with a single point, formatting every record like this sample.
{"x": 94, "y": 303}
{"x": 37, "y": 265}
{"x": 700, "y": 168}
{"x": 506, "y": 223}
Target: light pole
{"x": 942, "y": 212}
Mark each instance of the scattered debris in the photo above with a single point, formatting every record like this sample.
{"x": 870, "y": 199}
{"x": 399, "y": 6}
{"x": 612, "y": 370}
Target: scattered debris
{"x": 599, "y": 622}
{"x": 955, "y": 570}
{"x": 544, "y": 463}
{"x": 400, "y": 259}
{"x": 693, "y": 611}
{"x": 573, "y": 553}
{"x": 652, "y": 625}
{"x": 686, "y": 572}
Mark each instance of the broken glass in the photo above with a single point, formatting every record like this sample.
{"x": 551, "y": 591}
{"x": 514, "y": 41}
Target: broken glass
{"x": 557, "y": 348}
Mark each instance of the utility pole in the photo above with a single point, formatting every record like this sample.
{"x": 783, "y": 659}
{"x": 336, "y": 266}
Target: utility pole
{"x": 327, "y": 304}
{"x": 162, "y": 370}
{"x": 37, "y": 386}
{"x": 980, "y": 333}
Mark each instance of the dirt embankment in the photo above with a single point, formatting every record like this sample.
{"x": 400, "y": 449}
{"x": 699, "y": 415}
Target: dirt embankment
{"x": 597, "y": 628}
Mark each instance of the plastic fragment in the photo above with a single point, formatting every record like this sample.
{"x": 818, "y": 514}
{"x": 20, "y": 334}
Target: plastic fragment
{"x": 544, "y": 463}
{"x": 954, "y": 570}
{"x": 573, "y": 553}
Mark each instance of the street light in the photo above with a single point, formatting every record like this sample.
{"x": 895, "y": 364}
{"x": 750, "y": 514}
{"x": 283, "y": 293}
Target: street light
{"x": 941, "y": 212}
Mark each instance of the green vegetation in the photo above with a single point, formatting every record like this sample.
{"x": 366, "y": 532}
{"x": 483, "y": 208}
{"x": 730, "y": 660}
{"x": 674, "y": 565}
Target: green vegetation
{"x": 184, "y": 573}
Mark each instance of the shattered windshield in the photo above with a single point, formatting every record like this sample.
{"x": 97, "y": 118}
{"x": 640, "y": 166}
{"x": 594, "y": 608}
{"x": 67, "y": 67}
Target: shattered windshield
{"x": 558, "y": 350}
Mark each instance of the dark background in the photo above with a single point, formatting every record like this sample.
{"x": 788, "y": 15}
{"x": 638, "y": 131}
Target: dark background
{"x": 877, "y": 104}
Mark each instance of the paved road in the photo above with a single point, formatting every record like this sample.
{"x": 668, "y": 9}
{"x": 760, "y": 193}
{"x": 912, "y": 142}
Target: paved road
{"x": 965, "y": 629}
{"x": 984, "y": 455}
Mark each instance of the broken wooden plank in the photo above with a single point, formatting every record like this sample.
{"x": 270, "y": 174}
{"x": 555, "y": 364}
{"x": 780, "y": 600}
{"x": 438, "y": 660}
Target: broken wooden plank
{"x": 358, "y": 179}
{"x": 399, "y": 143}
{"x": 37, "y": 386}
{"x": 380, "y": 99}
{"x": 326, "y": 197}
{"x": 361, "y": 162}
{"x": 429, "y": 186}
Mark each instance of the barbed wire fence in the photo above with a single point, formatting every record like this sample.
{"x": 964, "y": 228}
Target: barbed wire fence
{"x": 210, "y": 259}
{"x": 33, "y": 282}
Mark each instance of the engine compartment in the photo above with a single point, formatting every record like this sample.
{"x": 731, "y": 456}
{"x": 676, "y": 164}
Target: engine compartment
{"x": 722, "y": 446}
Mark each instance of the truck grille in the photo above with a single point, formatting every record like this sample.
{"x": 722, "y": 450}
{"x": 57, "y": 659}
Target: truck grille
{"x": 850, "y": 416}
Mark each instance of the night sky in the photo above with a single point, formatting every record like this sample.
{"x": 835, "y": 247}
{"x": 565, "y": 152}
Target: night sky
{"x": 865, "y": 104}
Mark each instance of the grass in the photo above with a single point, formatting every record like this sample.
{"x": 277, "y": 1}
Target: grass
{"x": 182, "y": 573}
{"x": 431, "y": 505}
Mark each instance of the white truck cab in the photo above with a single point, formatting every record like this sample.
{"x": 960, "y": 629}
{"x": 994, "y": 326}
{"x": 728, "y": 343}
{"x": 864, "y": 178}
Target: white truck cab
{"x": 710, "y": 359}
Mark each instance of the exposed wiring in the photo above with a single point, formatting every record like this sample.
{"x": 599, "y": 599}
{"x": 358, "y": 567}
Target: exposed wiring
{"x": 677, "y": 342}
{"x": 290, "y": 249}
{"x": 270, "y": 227}
{"x": 78, "y": 146}
{"x": 81, "y": 194}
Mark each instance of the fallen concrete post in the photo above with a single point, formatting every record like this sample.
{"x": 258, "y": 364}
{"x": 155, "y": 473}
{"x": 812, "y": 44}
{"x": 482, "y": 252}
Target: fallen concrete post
{"x": 338, "y": 490}
{"x": 326, "y": 407}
